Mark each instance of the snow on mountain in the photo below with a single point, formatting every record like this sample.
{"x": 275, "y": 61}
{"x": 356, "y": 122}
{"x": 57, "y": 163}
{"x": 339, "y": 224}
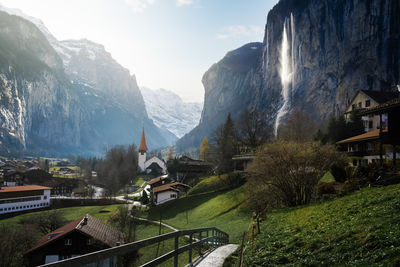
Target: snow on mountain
{"x": 168, "y": 111}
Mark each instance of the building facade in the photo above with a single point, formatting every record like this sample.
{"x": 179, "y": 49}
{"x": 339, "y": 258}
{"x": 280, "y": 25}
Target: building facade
{"x": 22, "y": 198}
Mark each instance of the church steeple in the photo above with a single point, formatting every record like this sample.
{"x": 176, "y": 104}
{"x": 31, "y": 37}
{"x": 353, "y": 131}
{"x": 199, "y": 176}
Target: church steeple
{"x": 142, "y": 146}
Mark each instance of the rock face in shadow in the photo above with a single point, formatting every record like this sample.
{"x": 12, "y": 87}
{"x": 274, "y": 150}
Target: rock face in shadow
{"x": 336, "y": 47}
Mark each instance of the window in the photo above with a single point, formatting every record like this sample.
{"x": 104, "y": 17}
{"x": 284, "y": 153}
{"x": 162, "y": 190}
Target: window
{"x": 68, "y": 242}
{"x": 369, "y": 146}
{"x": 360, "y": 104}
{"x": 89, "y": 241}
{"x": 371, "y": 124}
{"x": 1, "y": 209}
{"x": 353, "y": 107}
{"x": 45, "y": 197}
{"x": 367, "y": 103}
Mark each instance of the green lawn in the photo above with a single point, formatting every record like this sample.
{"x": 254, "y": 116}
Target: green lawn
{"x": 72, "y": 213}
{"x": 210, "y": 184}
{"x": 219, "y": 209}
{"x": 362, "y": 229}
{"x": 327, "y": 178}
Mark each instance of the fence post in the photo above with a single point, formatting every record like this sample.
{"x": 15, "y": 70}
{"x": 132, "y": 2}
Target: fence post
{"x": 176, "y": 250}
{"x": 208, "y": 241}
{"x": 213, "y": 239}
{"x": 200, "y": 243}
{"x": 190, "y": 249}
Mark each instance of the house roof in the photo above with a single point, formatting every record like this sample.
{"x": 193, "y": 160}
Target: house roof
{"x": 381, "y": 96}
{"x": 167, "y": 187}
{"x": 142, "y": 146}
{"x": 94, "y": 228}
{"x": 383, "y": 107}
{"x": 373, "y": 135}
{"x": 23, "y": 188}
{"x": 158, "y": 179}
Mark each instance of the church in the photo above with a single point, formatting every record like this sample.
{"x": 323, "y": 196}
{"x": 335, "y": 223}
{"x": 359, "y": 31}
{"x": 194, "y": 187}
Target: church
{"x": 152, "y": 165}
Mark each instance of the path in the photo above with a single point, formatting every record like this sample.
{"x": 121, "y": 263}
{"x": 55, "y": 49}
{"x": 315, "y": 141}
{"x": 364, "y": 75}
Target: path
{"x": 158, "y": 223}
{"x": 217, "y": 257}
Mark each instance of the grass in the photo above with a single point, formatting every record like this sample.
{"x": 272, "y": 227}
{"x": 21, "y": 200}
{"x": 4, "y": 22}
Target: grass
{"x": 210, "y": 184}
{"x": 327, "y": 178}
{"x": 213, "y": 209}
{"x": 100, "y": 212}
{"x": 139, "y": 181}
{"x": 362, "y": 229}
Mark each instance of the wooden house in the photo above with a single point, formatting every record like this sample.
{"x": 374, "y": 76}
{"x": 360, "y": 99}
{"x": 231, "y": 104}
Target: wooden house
{"x": 84, "y": 235}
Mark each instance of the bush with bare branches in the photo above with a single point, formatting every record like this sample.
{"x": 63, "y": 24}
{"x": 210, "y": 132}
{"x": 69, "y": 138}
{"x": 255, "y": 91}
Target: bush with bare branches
{"x": 292, "y": 170}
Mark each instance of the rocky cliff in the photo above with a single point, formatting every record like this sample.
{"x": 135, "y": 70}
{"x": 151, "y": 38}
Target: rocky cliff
{"x": 315, "y": 56}
{"x": 65, "y": 97}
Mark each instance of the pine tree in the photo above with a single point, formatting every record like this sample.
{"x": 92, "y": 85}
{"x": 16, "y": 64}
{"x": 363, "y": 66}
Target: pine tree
{"x": 226, "y": 145}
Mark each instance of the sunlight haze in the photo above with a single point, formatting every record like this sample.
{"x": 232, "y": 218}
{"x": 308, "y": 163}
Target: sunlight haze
{"x": 166, "y": 43}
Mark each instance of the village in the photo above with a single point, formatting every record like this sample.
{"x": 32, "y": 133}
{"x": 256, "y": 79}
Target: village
{"x": 43, "y": 185}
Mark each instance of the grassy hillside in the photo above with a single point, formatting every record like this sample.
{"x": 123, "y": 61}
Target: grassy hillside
{"x": 70, "y": 214}
{"x": 220, "y": 209}
{"x": 362, "y": 229}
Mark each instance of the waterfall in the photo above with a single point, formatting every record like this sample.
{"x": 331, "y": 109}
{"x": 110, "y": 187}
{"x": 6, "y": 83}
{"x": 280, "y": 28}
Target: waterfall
{"x": 287, "y": 69}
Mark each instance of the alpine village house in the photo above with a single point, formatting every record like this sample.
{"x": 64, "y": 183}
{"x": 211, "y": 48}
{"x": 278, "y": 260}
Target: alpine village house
{"x": 380, "y": 115}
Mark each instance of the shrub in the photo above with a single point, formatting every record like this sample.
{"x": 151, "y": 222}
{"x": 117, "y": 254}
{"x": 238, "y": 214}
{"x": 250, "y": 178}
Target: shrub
{"x": 326, "y": 188}
{"x": 292, "y": 169}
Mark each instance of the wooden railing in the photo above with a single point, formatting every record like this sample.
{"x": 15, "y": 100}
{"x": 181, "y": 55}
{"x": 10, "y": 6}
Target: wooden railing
{"x": 198, "y": 238}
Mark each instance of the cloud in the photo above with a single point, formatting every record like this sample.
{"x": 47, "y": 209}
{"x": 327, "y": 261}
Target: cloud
{"x": 184, "y": 2}
{"x": 237, "y": 31}
{"x": 138, "y": 6}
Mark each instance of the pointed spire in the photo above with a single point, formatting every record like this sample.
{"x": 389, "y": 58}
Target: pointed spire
{"x": 142, "y": 146}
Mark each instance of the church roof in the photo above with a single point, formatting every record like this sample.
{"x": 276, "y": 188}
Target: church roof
{"x": 142, "y": 146}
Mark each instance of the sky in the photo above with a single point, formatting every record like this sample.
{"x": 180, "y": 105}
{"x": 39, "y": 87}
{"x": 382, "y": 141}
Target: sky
{"x": 166, "y": 43}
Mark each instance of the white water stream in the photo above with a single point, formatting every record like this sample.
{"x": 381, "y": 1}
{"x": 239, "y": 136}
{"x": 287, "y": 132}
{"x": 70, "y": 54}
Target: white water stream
{"x": 286, "y": 71}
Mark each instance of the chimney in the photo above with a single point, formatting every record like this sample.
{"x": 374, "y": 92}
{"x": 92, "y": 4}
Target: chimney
{"x": 85, "y": 220}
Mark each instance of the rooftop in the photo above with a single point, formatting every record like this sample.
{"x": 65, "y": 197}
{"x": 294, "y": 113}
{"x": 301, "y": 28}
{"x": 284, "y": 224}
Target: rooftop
{"x": 373, "y": 135}
{"x": 93, "y": 227}
{"x": 167, "y": 187}
{"x": 142, "y": 146}
{"x": 158, "y": 179}
{"x": 23, "y": 188}
{"x": 381, "y": 96}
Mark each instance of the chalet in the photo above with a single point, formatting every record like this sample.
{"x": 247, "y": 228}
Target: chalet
{"x": 167, "y": 192}
{"x": 242, "y": 161}
{"x": 84, "y": 235}
{"x": 369, "y": 147}
{"x": 22, "y": 198}
{"x": 188, "y": 168}
{"x": 365, "y": 99}
{"x": 61, "y": 187}
{"x": 159, "y": 181}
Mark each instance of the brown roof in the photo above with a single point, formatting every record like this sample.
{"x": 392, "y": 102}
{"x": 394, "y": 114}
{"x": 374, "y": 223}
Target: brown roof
{"x": 142, "y": 146}
{"x": 167, "y": 187}
{"x": 23, "y": 188}
{"x": 156, "y": 180}
{"x": 373, "y": 135}
{"x": 94, "y": 228}
{"x": 383, "y": 107}
{"x": 381, "y": 96}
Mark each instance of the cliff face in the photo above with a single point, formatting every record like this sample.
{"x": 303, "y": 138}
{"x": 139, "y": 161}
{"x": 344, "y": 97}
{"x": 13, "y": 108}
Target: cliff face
{"x": 315, "y": 56}
{"x": 36, "y": 102}
{"x": 229, "y": 87}
{"x": 61, "y": 98}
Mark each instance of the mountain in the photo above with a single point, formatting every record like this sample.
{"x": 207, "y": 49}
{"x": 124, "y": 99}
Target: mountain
{"x": 59, "y": 98}
{"x": 168, "y": 111}
{"x": 314, "y": 57}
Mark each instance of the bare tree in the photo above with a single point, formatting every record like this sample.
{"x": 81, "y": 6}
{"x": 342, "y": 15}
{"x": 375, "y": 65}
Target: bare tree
{"x": 292, "y": 169}
{"x": 253, "y": 129}
{"x": 300, "y": 127}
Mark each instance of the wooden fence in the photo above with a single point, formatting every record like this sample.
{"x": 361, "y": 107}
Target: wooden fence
{"x": 198, "y": 238}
